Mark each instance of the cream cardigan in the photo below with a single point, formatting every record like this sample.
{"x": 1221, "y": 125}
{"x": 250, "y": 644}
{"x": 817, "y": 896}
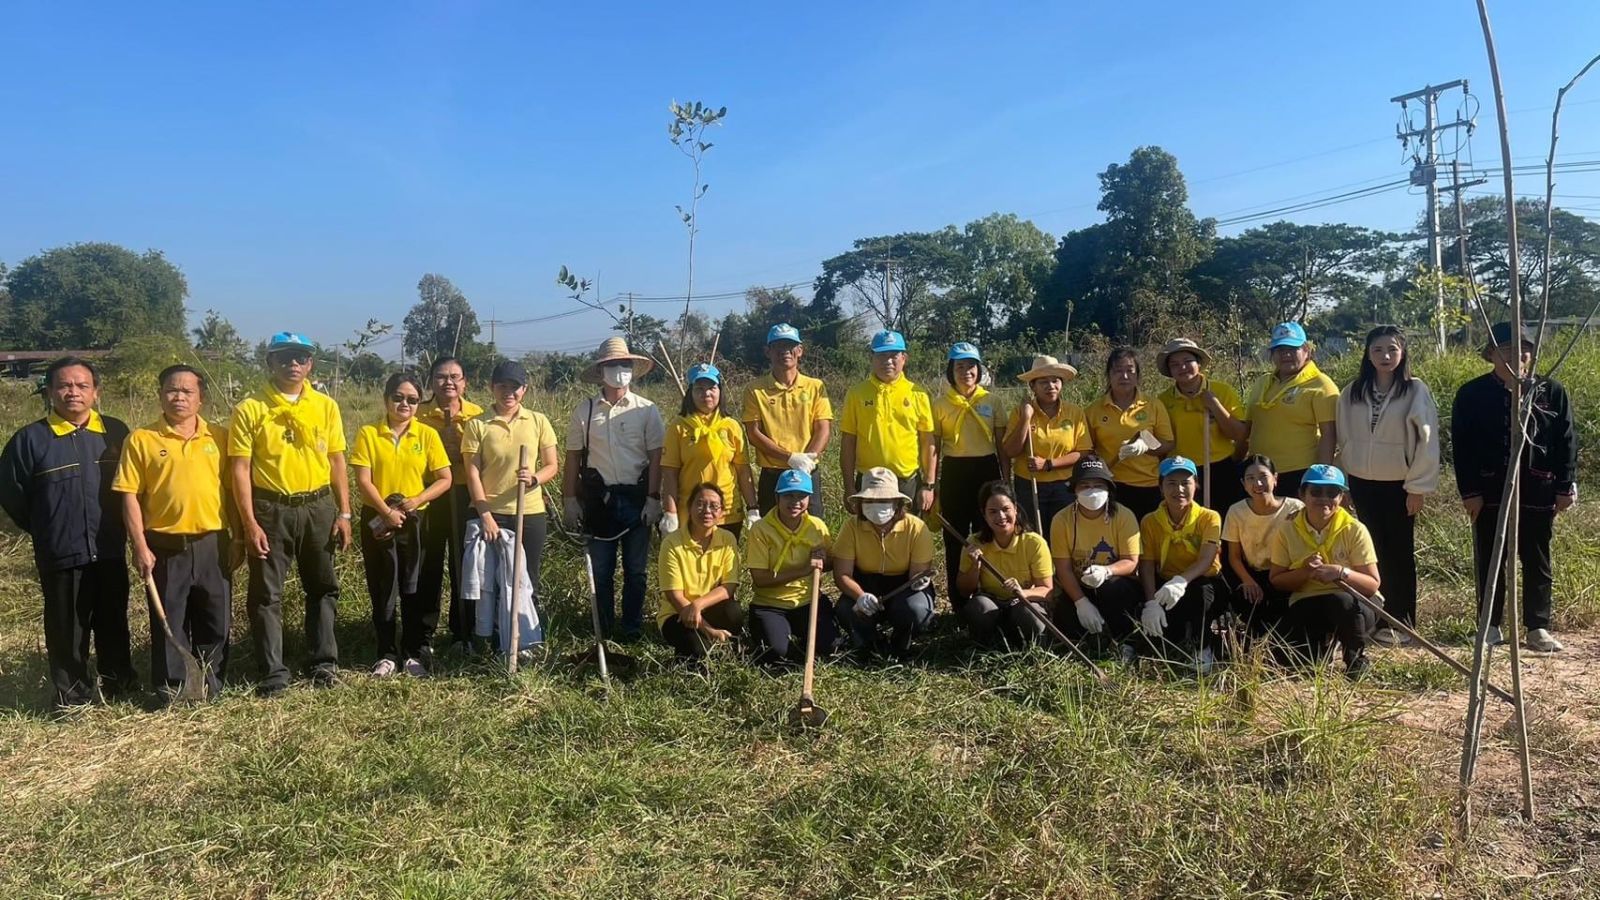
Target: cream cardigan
{"x": 1404, "y": 446}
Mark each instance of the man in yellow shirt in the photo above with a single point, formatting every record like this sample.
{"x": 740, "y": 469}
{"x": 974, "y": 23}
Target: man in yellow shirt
{"x": 788, "y": 418}
{"x": 888, "y": 422}
{"x": 170, "y": 478}
{"x": 286, "y": 444}
{"x": 448, "y": 411}
{"x": 1292, "y": 410}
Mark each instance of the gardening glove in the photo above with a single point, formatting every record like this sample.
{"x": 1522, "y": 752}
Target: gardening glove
{"x": 1170, "y": 593}
{"x": 868, "y": 605}
{"x": 669, "y": 523}
{"x": 1143, "y": 443}
{"x": 652, "y": 512}
{"x": 1094, "y": 576}
{"x": 1089, "y": 616}
{"x": 1153, "y": 619}
{"x": 805, "y": 462}
{"x": 751, "y": 517}
{"x": 571, "y": 510}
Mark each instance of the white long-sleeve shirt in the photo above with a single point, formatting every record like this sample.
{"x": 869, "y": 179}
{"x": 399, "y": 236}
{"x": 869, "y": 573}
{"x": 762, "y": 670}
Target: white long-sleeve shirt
{"x": 487, "y": 568}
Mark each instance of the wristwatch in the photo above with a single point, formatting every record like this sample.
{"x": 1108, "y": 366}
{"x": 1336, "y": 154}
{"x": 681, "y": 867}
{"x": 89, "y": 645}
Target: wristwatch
{"x": 1049, "y": 465}
{"x": 345, "y": 516}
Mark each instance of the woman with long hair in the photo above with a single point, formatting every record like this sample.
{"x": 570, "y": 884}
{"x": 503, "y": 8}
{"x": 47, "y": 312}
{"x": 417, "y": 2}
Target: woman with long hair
{"x": 1021, "y": 557}
{"x": 704, "y": 445}
{"x": 1247, "y": 543}
{"x": 1132, "y": 431}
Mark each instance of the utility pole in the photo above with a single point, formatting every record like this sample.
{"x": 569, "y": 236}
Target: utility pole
{"x": 1456, "y": 187}
{"x": 492, "y": 349}
{"x": 1425, "y": 172}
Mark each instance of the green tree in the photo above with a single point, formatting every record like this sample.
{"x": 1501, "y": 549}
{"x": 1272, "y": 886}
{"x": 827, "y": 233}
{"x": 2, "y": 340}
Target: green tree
{"x": 90, "y": 296}
{"x": 1004, "y": 262}
{"x": 894, "y": 278}
{"x": 1286, "y": 272}
{"x": 217, "y": 338}
{"x": 442, "y": 323}
{"x": 744, "y": 335}
{"x": 1574, "y": 262}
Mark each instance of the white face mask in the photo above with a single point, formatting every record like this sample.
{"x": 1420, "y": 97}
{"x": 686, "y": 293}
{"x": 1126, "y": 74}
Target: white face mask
{"x": 617, "y": 376}
{"x": 1093, "y": 499}
{"x": 878, "y": 513}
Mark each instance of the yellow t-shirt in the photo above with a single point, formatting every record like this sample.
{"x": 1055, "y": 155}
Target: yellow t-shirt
{"x": 1113, "y": 426}
{"x": 178, "y": 480}
{"x": 887, "y": 420}
{"x": 499, "y": 441}
{"x": 1294, "y": 541}
{"x": 1254, "y": 533}
{"x": 967, "y": 426}
{"x": 908, "y": 543}
{"x": 685, "y": 567}
{"x": 1174, "y": 548}
{"x": 434, "y": 417}
{"x": 1285, "y": 419}
{"x": 706, "y": 448}
{"x": 1100, "y": 541}
{"x": 1027, "y": 560}
{"x": 788, "y": 415}
{"x": 399, "y": 465}
{"x": 287, "y": 443}
{"x": 773, "y": 547}
{"x": 1053, "y": 437}
{"x": 1188, "y": 415}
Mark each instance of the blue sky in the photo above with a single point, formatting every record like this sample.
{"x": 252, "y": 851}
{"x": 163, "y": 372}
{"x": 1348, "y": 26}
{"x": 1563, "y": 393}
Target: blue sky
{"x": 305, "y": 166}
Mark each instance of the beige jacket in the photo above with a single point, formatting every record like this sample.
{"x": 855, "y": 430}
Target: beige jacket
{"x": 1404, "y": 446}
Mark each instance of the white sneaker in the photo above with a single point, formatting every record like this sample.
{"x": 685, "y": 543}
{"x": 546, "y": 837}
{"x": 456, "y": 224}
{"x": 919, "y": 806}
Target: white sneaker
{"x": 384, "y": 668}
{"x": 1391, "y": 637}
{"x": 1495, "y": 637}
{"x": 415, "y": 668}
{"x": 1205, "y": 661}
{"x": 1542, "y": 640}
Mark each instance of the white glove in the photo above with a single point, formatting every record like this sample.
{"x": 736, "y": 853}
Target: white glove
{"x": 1153, "y": 619}
{"x": 1143, "y": 443}
{"x": 1094, "y": 576}
{"x": 669, "y": 523}
{"x": 868, "y": 605}
{"x": 805, "y": 462}
{"x": 1089, "y": 616}
{"x": 751, "y": 517}
{"x": 1170, "y": 593}
{"x": 652, "y": 512}
{"x": 571, "y": 510}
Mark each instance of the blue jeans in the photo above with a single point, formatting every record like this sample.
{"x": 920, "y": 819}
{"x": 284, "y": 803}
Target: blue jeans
{"x": 626, "y": 512}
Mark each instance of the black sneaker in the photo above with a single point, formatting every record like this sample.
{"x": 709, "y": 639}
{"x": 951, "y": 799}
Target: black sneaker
{"x": 271, "y": 689}
{"x": 324, "y": 678}
{"x": 1356, "y": 666}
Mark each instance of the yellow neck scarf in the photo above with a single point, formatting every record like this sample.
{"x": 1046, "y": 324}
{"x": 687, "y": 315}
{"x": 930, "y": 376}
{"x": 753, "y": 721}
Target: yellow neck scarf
{"x": 1306, "y": 375}
{"x": 706, "y": 435}
{"x": 1337, "y": 526}
{"x": 299, "y": 419}
{"x": 1170, "y": 533}
{"x": 964, "y": 408}
{"x": 790, "y": 538}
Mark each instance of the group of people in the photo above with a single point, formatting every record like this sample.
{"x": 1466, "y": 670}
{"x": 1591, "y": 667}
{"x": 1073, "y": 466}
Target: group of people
{"x": 1135, "y": 524}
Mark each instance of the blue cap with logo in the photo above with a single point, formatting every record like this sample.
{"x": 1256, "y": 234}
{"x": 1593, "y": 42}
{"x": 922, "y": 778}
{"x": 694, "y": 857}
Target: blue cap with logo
{"x": 783, "y": 331}
{"x": 703, "y": 372}
{"x": 1178, "y": 464}
{"x": 289, "y": 340}
{"x": 1322, "y": 474}
{"x": 964, "y": 350}
{"x": 888, "y": 342}
{"x": 793, "y": 481}
{"x": 1287, "y": 334}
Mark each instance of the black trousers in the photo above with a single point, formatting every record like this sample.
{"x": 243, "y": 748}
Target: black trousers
{"x": 908, "y": 614}
{"x": 1289, "y": 483}
{"x": 960, "y": 478}
{"x": 393, "y": 568}
{"x": 442, "y": 525}
{"x": 1054, "y": 496}
{"x": 80, "y": 603}
{"x": 1339, "y": 616}
{"x": 1382, "y": 508}
{"x": 767, "y": 495}
{"x": 1119, "y": 601}
{"x": 781, "y": 633}
{"x": 1533, "y": 550}
{"x": 301, "y": 536}
{"x": 1264, "y": 617}
{"x": 690, "y": 644}
{"x": 192, "y": 576}
{"x": 1189, "y": 621}
{"x": 1141, "y": 501}
{"x": 1227, "y": 485}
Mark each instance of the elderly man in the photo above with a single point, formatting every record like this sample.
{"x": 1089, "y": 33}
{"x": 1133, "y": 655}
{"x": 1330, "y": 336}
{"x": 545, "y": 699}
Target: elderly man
{"x": 444, "y": 521}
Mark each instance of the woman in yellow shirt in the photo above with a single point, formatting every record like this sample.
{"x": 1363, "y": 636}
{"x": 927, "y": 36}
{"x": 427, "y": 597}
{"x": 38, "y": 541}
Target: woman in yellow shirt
{"x": 1194, "y": 400}
{"x": 704, "y": 445}
{"x": 1132, "y": 431}
{"x": 1293, "y": 410}
{"x": 698, "y": 574}
{"x": 1095, "y": 546}
{"x": 969, "y": 431}
{"x": 782, "y": 551}
{"x": 992, "y": 613}
{"x": 1044, "y": 439}
{"x": 1183, "y": 554}
{"x": 392, "y": 460}
{"x": 879, "y": 550}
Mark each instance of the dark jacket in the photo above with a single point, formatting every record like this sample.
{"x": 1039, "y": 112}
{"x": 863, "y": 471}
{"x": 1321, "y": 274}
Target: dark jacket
{"x": 57, "y": 487}
{"x": 1480, "y": 432}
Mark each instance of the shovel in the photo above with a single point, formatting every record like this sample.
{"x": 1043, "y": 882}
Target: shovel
{"x": 603, "y": 659}
{"x": 194, "y": 680}
{"x": 806, "y": 713}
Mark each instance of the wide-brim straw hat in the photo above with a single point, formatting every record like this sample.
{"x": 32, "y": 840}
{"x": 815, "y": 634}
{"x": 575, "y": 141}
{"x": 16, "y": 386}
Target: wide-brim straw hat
{"x": 613, "y": 349}
{"x": 879, "y": 483}
{"x": 1048, "y": 367}
{"x": 1180, "y": 345}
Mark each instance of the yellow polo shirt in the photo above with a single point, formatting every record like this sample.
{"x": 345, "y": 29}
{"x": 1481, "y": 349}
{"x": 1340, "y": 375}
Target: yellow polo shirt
{"x": 1027, "y": 560}
{"x": 498, "y": 441}
{"x": 1351, "y": 547}
{"x": 887, "y": 420}
{"x": 1113, "y": 426}
{"x": 178, "y": 480}
{"x": 685, "y": 567}
{"x": 1188, "y": 415}
{"x": 434, "y": 417}
{"x": 908, "y": 543}
{"x": 1100, "y": 541}
{"x": 1286, "y": 421}
{"x": 967, "y": 426}
{"x": 287, "y": 444}
{"x": 771, "y": 546}
{"x": 399, "y": 465}
{"x": 1174, "y": 548}
{"x": 1053, "y": 437}
{"x": 788, "y": 415}
{"x": 706, "y": 448}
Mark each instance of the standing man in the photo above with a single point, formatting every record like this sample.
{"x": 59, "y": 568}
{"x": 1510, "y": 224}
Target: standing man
{"x": 170, "y": 479}
{"x": 888, "y": 422}
{"x": 1480, "y": 430}
{"x": 55, "y": 483}
{"x": 788, "y": 418}
{"x": 612, "y": 483}
{"x": 444, "y": 521}
{"x": 286, "y": 443}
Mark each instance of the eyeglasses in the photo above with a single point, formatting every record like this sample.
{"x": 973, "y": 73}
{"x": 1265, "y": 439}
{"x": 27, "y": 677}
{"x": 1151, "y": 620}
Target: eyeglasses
{"x": 404, "y": 399}
{"x": 1324, "y": 492}
{"x": 708, "y": 506}
{"x": 291, "y": 359}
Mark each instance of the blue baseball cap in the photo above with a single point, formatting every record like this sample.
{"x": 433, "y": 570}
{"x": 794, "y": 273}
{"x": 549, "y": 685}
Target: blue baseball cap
{"x": 703, "y": 372}
{"x": 289, "y": 340}
{"x": 964, "y": 350}
{"x": 1321, "y": 474}
{"x": 793, "y": 481}
{"x": 1178, "y": 464}
{"x": 1287, "y": 334}
{"x": 888, "y": 342}
{"x": 783, "y": 331}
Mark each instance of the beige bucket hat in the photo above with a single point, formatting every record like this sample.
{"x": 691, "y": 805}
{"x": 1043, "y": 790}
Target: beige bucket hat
{"x": 1048, "y": 367}
{"x": 878, "y": 483}
{"x": 613, "y": 349}
{"x": 1180, "y": 345}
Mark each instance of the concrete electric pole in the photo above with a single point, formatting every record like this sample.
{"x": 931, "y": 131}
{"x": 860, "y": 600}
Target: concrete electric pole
{"x": 1425, "y": 172}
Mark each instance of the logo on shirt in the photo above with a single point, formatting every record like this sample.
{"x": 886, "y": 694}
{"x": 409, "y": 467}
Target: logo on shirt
{"x": 163, "y": 453}
{"x": 985, "y": 409}
{"x": 1103, "y": 549}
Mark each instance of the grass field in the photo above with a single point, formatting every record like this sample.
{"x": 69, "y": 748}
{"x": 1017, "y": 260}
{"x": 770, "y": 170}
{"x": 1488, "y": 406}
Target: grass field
{"x": 958, "y": 775}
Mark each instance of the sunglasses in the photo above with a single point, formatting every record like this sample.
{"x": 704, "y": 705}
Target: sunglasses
{"x": 404, "y": 399}
{"x": 291, "y": 359}
{"x": 1324, "y": 492}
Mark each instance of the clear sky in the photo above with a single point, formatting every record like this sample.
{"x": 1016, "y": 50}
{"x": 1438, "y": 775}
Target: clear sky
{"x": 305, "y": 165}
